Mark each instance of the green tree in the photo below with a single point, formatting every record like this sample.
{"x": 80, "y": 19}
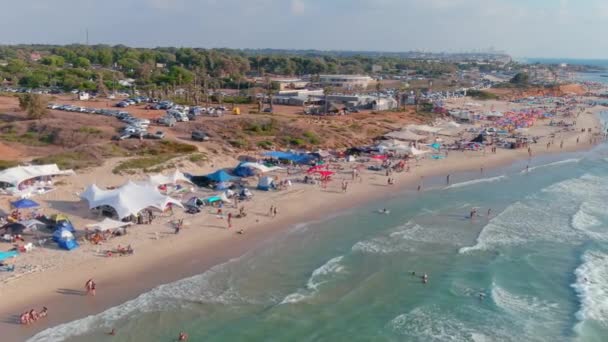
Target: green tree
{"x": 34, "y": 105}
{"x": 82, "y": 62}
{"x": 53, "y": 60}
{"x": 520, "y": 79}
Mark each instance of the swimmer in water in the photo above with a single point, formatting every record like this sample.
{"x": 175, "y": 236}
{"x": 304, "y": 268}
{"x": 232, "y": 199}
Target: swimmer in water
{"x": 473, "y": 213}
{"x": 182, "y": 336}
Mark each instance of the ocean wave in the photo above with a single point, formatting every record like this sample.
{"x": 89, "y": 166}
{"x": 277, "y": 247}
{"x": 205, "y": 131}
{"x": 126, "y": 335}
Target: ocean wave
{"x": 548, "y": 215}
{"x": 557, "y": 163}
{"x": 583, "y": 220}
{"x": 430, "y": 324}
{"x": 317, "y": 278}
{"x": 211, "y": 286}
{"x": 520, "y": 305}
{"x": 476, "y": 181}
{"x": 436, "y": 325}
{"x": 591, "y": 287}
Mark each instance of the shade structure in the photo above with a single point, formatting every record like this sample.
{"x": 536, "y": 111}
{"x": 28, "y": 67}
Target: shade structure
{"x": 294, "y": 157}
{"x": 220, "y": 176}
{"x": 266, "y": 183}
{"x": 261, "y": 167}
{"x": 24, "y": 204}
{"x": 424, "y": 128}
{"x": 108, "y": 224}
{"x": 405, "y": 135}
{"x": 129, "y": 199}
{"x": 16, "y": 175}
{"x": 173, "y": 178}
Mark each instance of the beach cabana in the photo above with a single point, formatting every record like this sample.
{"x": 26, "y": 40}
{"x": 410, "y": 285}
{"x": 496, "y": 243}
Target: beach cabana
{"x": 16, "y": 175}
{"x": 24, "y": 204}
{"x": 266, "y": 183}
{"x": 129, "y": 199}
{"x": 173, "y": 178}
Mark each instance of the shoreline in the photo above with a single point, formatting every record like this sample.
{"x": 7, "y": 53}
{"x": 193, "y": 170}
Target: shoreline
{"x": 122, "y": 279}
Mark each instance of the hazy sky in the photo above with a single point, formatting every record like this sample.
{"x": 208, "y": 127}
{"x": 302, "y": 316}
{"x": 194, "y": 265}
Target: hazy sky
{"x": 532, "y": 28}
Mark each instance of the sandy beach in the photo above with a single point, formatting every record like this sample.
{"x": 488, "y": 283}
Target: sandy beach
{"x": 56, "y": 279}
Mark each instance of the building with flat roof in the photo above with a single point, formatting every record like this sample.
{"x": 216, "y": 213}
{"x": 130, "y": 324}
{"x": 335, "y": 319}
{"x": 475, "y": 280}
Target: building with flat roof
{"x": 344, "y": 81}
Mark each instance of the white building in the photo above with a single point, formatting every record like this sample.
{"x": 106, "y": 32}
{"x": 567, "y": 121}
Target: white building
{"x": 345, "y": 81}
{"x": 83, "y": 96}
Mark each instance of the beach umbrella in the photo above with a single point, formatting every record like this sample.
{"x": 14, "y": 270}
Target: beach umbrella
{"x": 325, "y": 173}
{"x": 24, "y": 204}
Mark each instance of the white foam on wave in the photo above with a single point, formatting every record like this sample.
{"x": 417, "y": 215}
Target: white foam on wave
{"x": 557, "y": 163}
{"x": 476, "y": 181}
{"x": 318, "y": 277}
{"x": 547, "y": 215}
{"x": 208, "y": 287}
{"x": 429, "y": 324}
{"x": 432, "y": 324}
{"x": 591, "y": 287}
{"x": 400, "y": 239}
{"x": 521, "y": 305}
{"x": 583, "y": 220}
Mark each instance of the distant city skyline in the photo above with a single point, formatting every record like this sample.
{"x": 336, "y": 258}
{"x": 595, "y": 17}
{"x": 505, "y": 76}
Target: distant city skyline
{"x": 521, "y": 28}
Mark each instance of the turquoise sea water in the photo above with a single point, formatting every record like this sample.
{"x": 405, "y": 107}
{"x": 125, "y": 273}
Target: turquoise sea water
{"x": 535, "y": 270}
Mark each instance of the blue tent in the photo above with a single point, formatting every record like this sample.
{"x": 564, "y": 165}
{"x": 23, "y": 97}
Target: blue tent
{"x": 296, "y": 158}
{"x": 243, "y": 171}
{"x": 220, "y": 176}
{"x": 24, "y": 204}
{"x": 266, "y": 183}
{"x": 68, "y": 244}
{"x": 65, "y": 225}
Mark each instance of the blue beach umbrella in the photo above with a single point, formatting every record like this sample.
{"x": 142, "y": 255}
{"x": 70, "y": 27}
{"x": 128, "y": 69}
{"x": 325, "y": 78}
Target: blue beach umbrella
{"x": 24, "y": 204}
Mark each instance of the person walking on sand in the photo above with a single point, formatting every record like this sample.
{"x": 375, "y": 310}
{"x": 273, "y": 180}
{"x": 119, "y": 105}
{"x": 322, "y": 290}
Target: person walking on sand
{"x": 274, "y": 212}
{"x": 271, "y": 210}
{"x": 89, "y": 286}
{"x": 229, "y": 220}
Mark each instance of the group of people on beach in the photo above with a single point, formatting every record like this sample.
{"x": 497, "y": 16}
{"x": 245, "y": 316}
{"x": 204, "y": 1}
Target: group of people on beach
{"x": 32, "y": 315}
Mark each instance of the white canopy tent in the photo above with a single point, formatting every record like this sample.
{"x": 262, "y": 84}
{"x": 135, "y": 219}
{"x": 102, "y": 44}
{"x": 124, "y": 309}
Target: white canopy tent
{"x": 405, "y": 135}
{"x": 17, "y": 175}
{"x": 173, "y": 178}
{"x": 262, "y": 168}
{"x": 394, "y": 145}
{"x": 129, "y": 199}
{"x": 108, "y": 224}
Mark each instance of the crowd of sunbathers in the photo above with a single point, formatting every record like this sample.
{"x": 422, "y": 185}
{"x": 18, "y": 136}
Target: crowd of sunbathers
{"x": 32, "y": 316}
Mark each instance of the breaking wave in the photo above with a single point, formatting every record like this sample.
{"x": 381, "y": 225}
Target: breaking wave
{"x": 318, "y": 277}
{"x": 557, "y": 163}
{"x": 547, "y": 216}
{"x": 476, "y": 181}
{"x": 212, "y": 286}
{"x": 591, "y": 287}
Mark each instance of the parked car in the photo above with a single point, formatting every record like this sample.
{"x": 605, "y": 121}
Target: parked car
{"x": 199, "y": 136}
{"x": 157, "y": 135}
{"x": 167, "y": 120}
